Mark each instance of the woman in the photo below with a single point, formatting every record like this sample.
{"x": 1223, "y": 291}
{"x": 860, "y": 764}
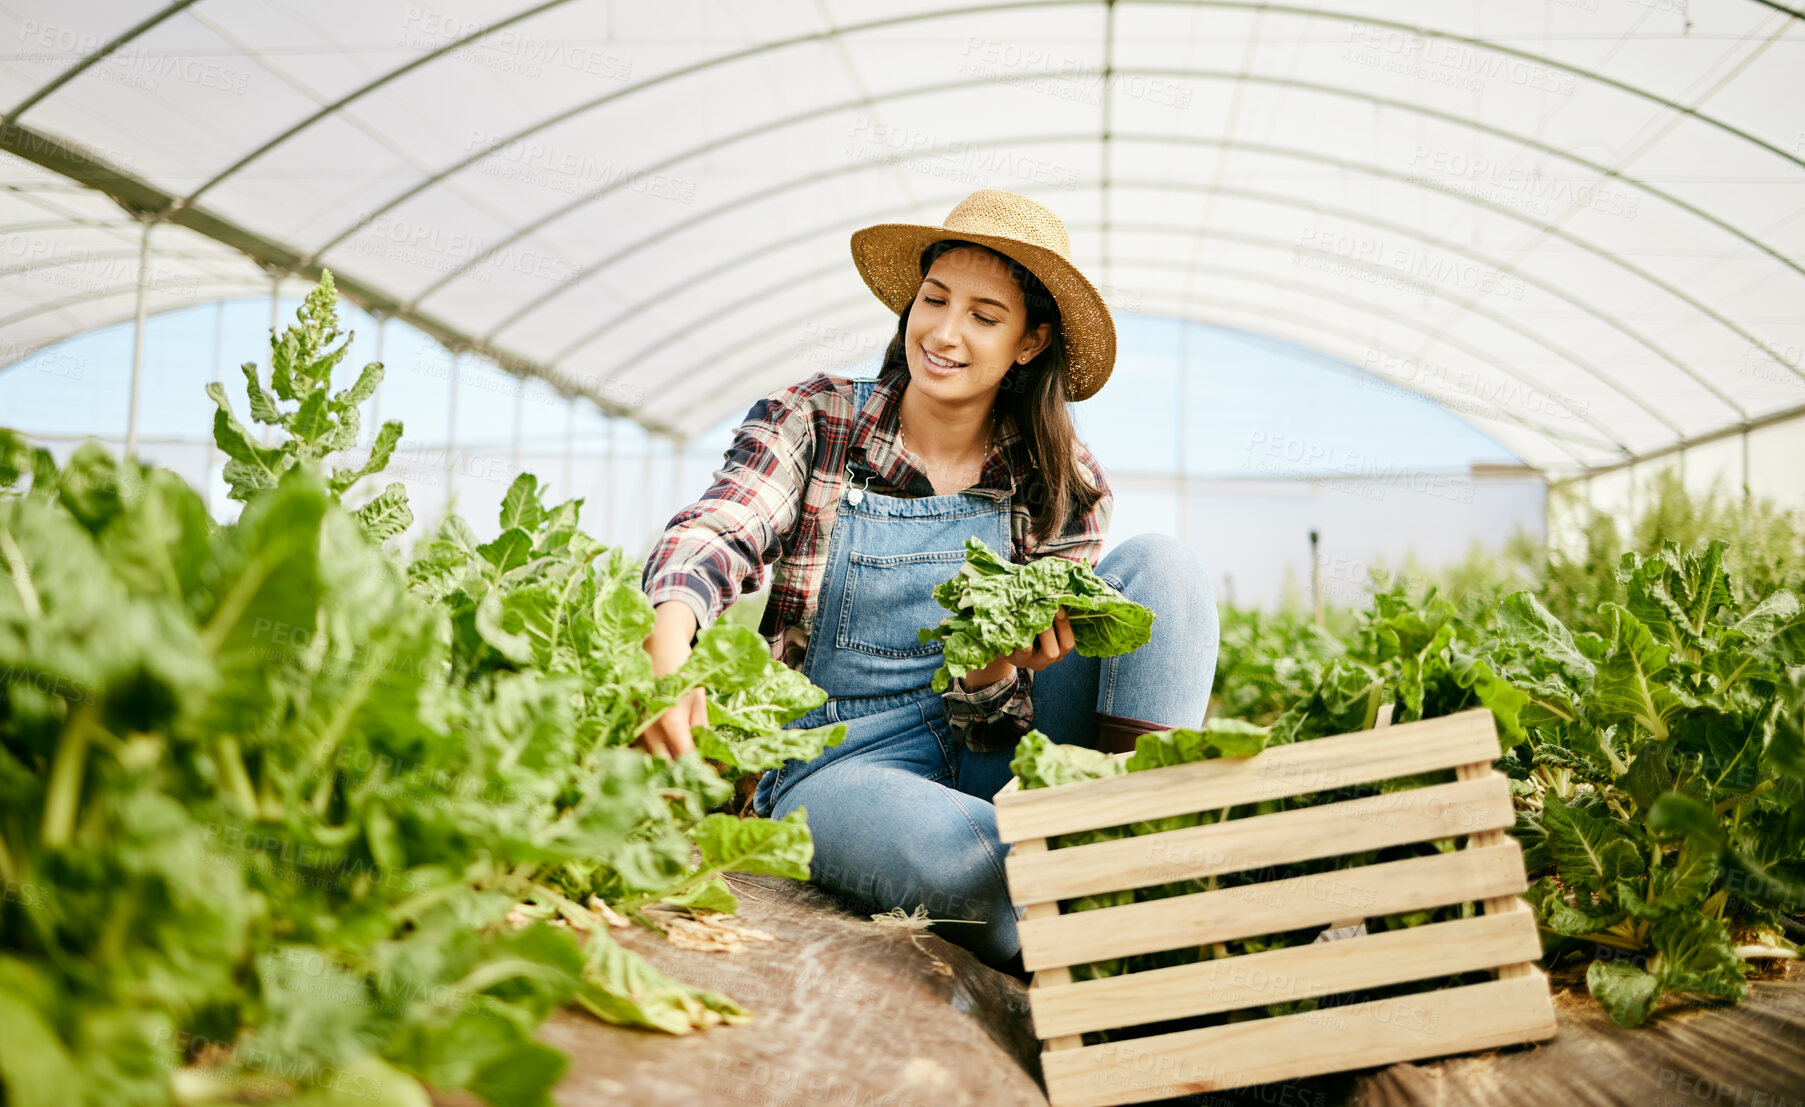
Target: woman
{"x": 863, "y": 492}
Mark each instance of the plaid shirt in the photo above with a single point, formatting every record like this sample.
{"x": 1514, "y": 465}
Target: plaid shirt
{"x": 775, "y": 499}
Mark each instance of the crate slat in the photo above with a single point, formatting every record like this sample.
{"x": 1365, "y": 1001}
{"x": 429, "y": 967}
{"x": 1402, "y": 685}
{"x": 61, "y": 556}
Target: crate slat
{"x": 1242, "y": 845}
{"x": 1050, "y": 977}
{"x": 1499, "y": 905}
{"x": 1304, "y": 767}
{"x": 1380, "y": 1032}
{"x": 1280, "y": 975}
{"x": 1272, "y": 906}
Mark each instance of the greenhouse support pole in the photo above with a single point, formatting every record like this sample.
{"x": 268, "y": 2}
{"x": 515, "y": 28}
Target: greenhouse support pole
{"x": 1746, "y": 481}
{"x": 519, "y": 416}
{"x": 645, "y": 489}
{"x": 1629, "y": 510}
{"x": 1315, "y": 579}
{"x": 382, "y": 331}
{"x": 613, "y": 538}
{"x": 1184, "y": 373}
{"x": 219, "y": 350}
{"x": 570, "y": 447}
{"x": 131, "y": 417}
{"x": 275, "y": 320}
{"x": 451, "y": 428}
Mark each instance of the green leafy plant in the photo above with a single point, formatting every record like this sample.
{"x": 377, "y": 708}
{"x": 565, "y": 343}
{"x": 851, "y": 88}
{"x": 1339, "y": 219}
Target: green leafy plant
{"x": 999, "y": 607}
{"x": 1665, "y": 781}
{"x": 280, "y": 814}
{"x": 1267, "y": 661}
{"x": 320, "y": 423}
{"x": 1652, "y": 739}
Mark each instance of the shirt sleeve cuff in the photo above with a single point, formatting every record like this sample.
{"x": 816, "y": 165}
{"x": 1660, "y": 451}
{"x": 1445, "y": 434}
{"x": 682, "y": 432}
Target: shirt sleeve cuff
{"x": 992, "y": 717}
{"x": 980, "y": 701}
{"x": 696, "y": 593}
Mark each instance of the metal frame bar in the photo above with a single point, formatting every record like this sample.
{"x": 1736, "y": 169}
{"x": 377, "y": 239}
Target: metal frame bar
{"x": 1553, "y": 436}
{"x": 108, "y": 255}
{"x": 141, "y": 198}
{"x": 1611, "y": 439}
{"x": 238, "y": 237}
{"x": 358, "y": 94}
{"x": 93, "y": 59}
{"x": 131, "y": 417}
{"x": 600, "y": 265}
{"x": 722, "y": 357}
{"x": 1759, "y": 422}
{"x": 948, "y": 13}
{"x": 1255, "y": 194}
{"x": 1781, "y": 8}
{"x": 47, "y": 307}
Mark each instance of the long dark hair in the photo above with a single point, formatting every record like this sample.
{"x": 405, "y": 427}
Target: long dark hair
{"x": 1034, "y": 395}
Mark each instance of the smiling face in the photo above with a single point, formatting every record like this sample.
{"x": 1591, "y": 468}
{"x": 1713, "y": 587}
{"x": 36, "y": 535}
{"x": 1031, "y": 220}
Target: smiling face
{"x": 968, "y": 326}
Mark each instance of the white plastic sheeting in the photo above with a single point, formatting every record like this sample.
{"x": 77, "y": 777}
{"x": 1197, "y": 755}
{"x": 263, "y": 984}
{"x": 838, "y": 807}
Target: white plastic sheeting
{"x": 1579, "y": 226}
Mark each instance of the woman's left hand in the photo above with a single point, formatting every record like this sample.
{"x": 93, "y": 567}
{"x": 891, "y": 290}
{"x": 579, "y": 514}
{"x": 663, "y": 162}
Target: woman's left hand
{"x": 1054, "y": 643}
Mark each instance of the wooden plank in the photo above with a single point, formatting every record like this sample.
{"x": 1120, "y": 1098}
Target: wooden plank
{"x": 1244, "y": 845}
{"x": 1046, "y": 977}
{"x": 1381, "y": 719}
{"x": 1498, "y": 905}
{"x": 1294, "y": 770}
{"x": 1276, "y": 976}
{"x": 1380, "y": 1032}
{"x": 1272, "y": 906}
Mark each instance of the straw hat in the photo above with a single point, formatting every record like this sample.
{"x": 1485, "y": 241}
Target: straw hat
{"x": 889, "y": 258}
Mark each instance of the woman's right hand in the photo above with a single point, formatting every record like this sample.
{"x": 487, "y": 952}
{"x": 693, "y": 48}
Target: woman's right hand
{"x": 669, "y": 735}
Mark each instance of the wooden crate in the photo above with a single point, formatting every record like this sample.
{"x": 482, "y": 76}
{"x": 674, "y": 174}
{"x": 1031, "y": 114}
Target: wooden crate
{"x": 1512, "y": 1007}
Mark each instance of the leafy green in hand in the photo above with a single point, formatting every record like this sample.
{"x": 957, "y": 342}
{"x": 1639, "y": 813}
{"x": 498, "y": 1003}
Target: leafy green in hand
{"x": 999, "y": 607}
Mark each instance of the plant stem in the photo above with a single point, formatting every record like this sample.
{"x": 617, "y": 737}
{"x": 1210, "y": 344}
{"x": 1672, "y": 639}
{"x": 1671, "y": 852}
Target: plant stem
{"x": 1761, "y": 789}
{"x": 341, "y": 719}
{"x": 21, "y": 574}
{"x": 1746, "y": 953}
{"x": 66, "y": 776}
{"x": 232, "y": 608}
{"x": 237, "y": 780}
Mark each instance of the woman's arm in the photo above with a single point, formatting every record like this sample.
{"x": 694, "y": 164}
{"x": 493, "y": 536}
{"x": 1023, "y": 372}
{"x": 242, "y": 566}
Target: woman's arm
{"x": 714, "y": 549}
{"x": 673, "y": 626}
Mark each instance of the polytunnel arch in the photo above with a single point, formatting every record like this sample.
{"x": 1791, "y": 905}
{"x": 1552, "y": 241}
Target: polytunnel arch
{"x": 1278, "y": 199}
{"x": 757, "y": 372}
{"x": 1291, "y": 83}
{"x": 1640, "y": 421}
{"x": 852, "y": 302}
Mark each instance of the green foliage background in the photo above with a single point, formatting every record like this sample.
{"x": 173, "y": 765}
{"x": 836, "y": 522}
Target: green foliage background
{"x": 1649, "y": 705}
{"x": 284, "y": 812}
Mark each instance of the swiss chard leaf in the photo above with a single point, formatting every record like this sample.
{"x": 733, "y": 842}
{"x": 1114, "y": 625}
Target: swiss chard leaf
{"x": 999, "y": 607}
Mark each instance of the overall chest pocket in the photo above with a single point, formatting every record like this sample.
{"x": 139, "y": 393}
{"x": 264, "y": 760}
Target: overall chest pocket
{"x": 889, "y": 599}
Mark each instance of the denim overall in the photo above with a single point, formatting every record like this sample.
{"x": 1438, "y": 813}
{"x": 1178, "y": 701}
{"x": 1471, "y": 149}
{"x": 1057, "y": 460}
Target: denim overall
{"x": 901, "y": 811}
{"x": 896, "y": 822}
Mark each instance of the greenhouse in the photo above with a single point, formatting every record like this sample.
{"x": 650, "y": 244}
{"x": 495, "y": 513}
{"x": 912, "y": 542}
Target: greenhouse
{"x": 494, "y": 586}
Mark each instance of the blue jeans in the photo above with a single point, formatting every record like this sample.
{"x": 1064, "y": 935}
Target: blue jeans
{"x": 901, "y": 813}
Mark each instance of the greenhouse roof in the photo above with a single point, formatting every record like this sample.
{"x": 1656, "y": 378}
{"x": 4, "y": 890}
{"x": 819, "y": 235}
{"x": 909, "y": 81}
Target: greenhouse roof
{"x": 1578, "y": 226}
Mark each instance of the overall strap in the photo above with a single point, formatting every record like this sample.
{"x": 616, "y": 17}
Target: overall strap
{"x": 861, "y": 394}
